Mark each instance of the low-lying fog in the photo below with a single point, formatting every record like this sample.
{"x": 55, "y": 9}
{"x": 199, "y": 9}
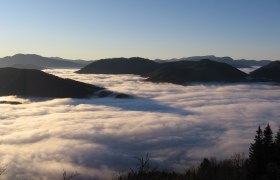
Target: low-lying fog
{"x": 176, "y": 125}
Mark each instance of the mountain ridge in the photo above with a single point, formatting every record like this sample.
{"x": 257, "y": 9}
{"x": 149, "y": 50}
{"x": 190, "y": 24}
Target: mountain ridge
{"x": 57, "y": 62}
{"x": 238, "y": 63}
{"x": 37, "y": 60}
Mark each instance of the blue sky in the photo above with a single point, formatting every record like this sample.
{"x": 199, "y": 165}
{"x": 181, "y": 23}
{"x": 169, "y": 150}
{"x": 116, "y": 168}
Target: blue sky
{"x": 93, "y": 29}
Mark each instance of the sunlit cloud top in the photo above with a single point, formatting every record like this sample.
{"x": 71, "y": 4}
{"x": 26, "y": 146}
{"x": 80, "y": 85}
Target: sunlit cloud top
{"x": 93, "y": 29}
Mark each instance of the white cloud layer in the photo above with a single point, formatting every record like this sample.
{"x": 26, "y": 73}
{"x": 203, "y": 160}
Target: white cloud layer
{"x": 177, "y": 125}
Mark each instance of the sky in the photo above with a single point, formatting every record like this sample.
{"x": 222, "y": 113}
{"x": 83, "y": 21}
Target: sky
{"x": 94, "y": 29}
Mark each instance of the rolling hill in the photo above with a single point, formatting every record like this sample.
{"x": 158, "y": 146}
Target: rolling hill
{"x": 196, "y": 71}
{"x": 134, "y": 65}
{"x": 35, "y": 83}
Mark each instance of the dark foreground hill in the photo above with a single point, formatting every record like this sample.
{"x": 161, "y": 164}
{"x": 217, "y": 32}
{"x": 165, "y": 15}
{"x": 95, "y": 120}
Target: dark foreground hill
{"x": 36, "y": 60}
{"x": 202, "y": 71}
{"x": 270, "y": 72}
{"x": 35, "y": 83}
{"x": 134, "y": 65}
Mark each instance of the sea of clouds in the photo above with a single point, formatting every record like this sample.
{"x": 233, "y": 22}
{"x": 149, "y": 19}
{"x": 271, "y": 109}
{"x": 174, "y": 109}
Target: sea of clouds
{"x": 99, "y": 138}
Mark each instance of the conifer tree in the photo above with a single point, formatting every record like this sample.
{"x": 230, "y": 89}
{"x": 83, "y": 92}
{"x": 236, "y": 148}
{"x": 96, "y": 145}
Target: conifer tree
{"x": 277, "y": 147}
{"x": 268, "y": 136}
{"x": 277, "y": 137}
{"x": 268, "y": 145}
{"x": 256, "y": 159}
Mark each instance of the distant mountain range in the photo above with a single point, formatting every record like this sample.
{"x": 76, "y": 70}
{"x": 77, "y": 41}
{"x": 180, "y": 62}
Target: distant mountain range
{"x": 35, "y": 83}
{"x": 32, "y": 61}
{"x": 241, "y": 63}
{"x": 190, "y": 69}
{"x": 78, "y": 61}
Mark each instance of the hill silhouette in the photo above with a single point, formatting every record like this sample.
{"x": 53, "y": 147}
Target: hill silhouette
{"x": 134, "y": 65}
{"x": 57, "y": 62}
{"x": 268, "y": 72}
{"x": 35, "y": 83}
{"x": 36, "y": 60}
{"x": 202, "y": 71}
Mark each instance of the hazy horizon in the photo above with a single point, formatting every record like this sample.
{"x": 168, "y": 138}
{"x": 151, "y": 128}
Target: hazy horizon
{"x": 152, "y": 29}
{"x": 134, "y": 56}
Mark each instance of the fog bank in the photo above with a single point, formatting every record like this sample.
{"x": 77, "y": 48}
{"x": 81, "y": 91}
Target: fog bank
{"x": 177, "y": 125}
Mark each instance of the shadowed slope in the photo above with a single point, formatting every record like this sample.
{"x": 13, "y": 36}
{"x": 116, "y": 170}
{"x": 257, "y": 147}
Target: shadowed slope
{"x": 35, "y": 83}
{"x": 268, "y": 72}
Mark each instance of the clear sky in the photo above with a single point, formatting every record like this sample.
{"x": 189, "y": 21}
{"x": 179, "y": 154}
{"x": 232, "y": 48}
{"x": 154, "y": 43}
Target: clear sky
{"x": 93, "y": 29}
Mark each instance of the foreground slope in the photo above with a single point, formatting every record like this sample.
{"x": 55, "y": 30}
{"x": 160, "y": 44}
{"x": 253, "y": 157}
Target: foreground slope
{"x": 268, "y": 72}
{"x": 201, "y": 71}
{"x": 134, "y": 65}
{"x": 35, "y": 83}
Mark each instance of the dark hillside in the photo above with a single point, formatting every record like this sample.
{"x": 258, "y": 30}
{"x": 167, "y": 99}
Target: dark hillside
{"x": 35, "y": 83}
{"x": 268, "y": 72}
{"x": 201, "y": 71}
{"x": 135, "y": 65}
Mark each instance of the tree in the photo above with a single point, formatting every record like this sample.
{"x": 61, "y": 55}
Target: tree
{"x": 268, "y": 136}
{"x": 207, "y": 169}
{"x": 277, "y": 147}
{"x": 256, "y": 159}
{"x": 66, "y": 176}
{"x": 268, "y": 145}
